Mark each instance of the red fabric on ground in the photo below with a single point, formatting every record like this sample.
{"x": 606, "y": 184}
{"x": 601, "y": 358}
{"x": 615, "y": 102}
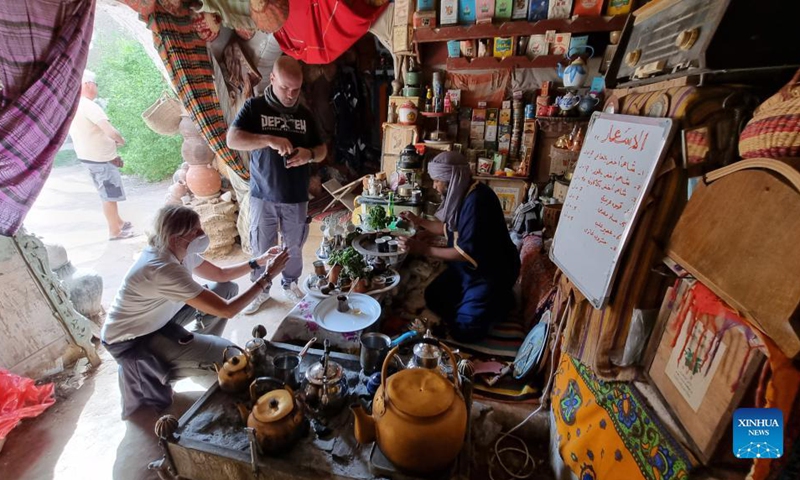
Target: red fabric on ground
{"x": 319, "y": 31}
{"x": 21, "y": 398}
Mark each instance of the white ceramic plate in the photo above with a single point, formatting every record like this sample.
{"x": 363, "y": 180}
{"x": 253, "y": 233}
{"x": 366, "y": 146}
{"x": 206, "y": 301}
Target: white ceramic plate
{"x": 310, "y": 286}
{"x": 364, "y": 311}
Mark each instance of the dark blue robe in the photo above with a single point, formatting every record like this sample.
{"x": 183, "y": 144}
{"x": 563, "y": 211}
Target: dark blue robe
{"x": 471, "y": 295}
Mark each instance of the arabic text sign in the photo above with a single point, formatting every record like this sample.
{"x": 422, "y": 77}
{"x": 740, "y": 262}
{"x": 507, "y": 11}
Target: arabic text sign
{"x": 616, "y": 167}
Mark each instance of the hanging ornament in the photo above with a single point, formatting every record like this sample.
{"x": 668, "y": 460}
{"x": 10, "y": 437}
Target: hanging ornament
{"x": 269, "y": 15}
{"x": 206, "y": 25}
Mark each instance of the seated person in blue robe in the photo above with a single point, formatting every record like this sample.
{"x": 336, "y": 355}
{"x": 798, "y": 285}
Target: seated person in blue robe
{"x": 482, "y": 262}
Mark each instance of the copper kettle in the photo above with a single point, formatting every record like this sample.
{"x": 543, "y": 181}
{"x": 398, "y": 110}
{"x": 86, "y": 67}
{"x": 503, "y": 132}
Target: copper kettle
{"x": 276, "y": 418}
{"x": 236, "y": 372}
{"x": 419, "y": 417}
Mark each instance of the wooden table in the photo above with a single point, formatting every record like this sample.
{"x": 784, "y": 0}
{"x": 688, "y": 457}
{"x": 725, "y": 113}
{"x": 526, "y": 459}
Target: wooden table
{"x": 211, "y": 443}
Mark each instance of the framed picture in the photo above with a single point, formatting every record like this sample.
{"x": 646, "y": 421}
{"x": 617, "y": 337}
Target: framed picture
{"x": 701, "y": 370}
{"x": 510, "y": 192}
{"x": 396, "y": 137}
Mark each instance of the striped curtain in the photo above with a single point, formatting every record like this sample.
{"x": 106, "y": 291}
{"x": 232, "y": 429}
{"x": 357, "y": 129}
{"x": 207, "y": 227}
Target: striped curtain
{"x": 187, "y": 60}
{"x": 44, "y": 47}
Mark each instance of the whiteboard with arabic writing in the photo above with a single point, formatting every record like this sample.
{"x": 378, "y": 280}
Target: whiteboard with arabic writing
{"x": 615, "y": 170}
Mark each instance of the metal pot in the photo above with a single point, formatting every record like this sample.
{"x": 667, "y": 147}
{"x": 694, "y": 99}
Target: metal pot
{"x": 326, "y": 384}
{"x": 256, "y": 348}
{"x": 287, "y": 365}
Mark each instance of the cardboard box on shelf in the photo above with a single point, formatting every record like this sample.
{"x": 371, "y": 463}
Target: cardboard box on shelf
{"x": 537, "y": 45}
{"x": 619, "y": 7}
{"x": 491, "y": 125}
{"x": 503, "y": 47}
{"x": 466, "y": 12}
{"x": 403, "y": 12}
{"x": 537, "y": 10}
{"x": 448, "y": 12}
{"x": 561, "y": 44}
{"x": 559, "y": 9}
{"x": 477, "y": 132}
{"x": 484, "y": 11}
{"x": 560, "y": 189}
{"x": 503, "y": 10}
{"x": 520, "y": 10}
{"x": 425, "y": 19}
{"x": 589, "y": 8}
{"x": 402, "y": 37}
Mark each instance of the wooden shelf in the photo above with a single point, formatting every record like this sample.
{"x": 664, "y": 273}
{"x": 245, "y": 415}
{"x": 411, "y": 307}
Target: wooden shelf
{"x": 520, "y": 28}
{"x": 436, "y": 114}
{"x": 565, "y": 119}
{"x": 481, "y": 63}
{"x": 498, "y": 177}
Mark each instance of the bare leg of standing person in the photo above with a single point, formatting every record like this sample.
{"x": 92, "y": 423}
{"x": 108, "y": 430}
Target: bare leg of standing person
{"x": 115, "y": 223}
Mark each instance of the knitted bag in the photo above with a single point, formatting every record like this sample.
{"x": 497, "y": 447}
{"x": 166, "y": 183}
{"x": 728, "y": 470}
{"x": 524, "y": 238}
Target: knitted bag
{"x": 774, "y": 130}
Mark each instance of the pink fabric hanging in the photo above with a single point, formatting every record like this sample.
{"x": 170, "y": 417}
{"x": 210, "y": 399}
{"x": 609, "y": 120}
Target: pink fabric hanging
{"x": 318, "y": 31}
{"x": 44, "y": 47}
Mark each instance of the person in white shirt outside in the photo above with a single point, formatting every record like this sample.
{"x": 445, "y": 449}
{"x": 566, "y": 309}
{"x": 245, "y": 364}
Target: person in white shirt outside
{"x": 96, "y": 142}
{"x": 159, "y": 297}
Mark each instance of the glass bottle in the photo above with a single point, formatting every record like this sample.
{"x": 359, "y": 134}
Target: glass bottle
{"x": 429, "y": 100}
{"x": 550, "y": 187}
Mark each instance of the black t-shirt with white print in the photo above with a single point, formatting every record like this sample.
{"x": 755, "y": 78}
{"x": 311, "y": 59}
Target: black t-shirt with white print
{"x": 270, "y": 180}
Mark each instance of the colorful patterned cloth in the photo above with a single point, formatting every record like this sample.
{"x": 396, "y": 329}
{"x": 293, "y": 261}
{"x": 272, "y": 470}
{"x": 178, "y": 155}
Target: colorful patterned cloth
{"x": 186, "y": 57}
{"x": 606, "y": 431}
{"x": 44, "y": 47}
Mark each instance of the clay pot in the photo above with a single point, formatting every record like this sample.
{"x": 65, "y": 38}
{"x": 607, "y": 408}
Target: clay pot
{"x": 177, "y": 190}
{"x": 361, "y": 286}
{"x": 195, "y": 151}
{"x": 203, "y": 180}
{"x": 333, "y": 275}
{"x": 187, "y": 128}
{"x": 180, "y": 174}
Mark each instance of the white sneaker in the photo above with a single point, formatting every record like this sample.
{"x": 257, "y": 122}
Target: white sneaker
{"x": 293, "y": 292}
{"x": 256, "y": 304}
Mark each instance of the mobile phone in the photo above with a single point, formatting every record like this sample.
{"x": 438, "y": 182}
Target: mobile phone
{"x": 286, "y": 158}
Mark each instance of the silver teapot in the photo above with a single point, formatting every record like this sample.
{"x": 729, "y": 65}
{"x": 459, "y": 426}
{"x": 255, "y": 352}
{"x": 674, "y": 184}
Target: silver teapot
{"x": 326, "y": 384}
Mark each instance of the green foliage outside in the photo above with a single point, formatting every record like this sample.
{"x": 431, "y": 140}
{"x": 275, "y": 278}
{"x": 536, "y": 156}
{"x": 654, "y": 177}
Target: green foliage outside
{"x": 65, "y": 158}
{"x": 129, "y": 80}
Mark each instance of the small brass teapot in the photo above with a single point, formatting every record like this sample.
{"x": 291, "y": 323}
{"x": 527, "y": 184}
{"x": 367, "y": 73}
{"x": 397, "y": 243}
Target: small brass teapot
{"x": 236, "y": 372}
{"x": 276, "y": 418}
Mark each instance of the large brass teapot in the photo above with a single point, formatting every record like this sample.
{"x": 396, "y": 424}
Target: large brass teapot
{"x": 276, "y": 417}
{"x": 236, "y": 372}
{"x": 419, "y": 418}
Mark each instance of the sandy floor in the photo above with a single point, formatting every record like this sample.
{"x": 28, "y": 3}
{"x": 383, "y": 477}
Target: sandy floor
{"x": 82, "y": 436}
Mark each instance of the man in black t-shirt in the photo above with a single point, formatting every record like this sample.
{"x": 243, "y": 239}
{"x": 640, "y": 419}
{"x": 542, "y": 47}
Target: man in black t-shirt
{"x": 283, "y": 140}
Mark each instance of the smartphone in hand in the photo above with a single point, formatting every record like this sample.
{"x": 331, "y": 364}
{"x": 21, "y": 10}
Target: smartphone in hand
{"x": 286, "y": 158}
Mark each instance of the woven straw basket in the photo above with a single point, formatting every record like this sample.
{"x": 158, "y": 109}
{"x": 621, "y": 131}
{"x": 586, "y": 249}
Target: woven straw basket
{"x": 163, "y": 116}
{"x": 774, "y": 131}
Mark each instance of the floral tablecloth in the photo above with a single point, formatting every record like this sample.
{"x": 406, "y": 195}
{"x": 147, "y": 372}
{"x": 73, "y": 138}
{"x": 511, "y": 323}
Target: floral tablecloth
{"x": 299, "y": 326}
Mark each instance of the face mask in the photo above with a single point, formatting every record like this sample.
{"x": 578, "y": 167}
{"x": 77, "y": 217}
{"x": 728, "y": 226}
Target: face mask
{"x": 198, "y": 245}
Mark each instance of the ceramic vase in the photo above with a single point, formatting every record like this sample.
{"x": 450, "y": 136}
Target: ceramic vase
{"x": 203, "y": 180}
{"x": 195, "y": 151}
